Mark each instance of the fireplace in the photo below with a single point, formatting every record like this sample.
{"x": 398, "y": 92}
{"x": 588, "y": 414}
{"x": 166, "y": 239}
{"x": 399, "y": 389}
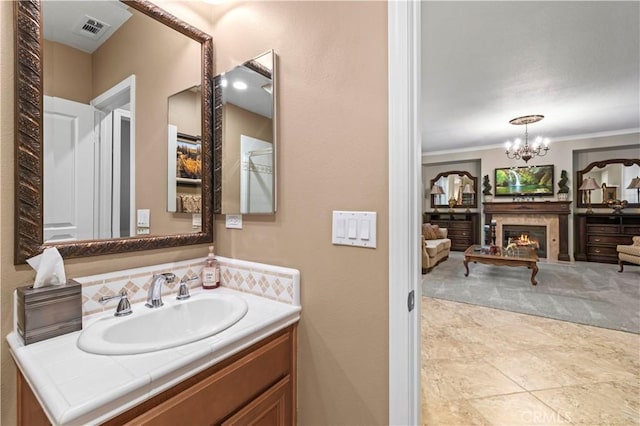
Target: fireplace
{"x": 552, "y": 214}
{"x": 526, "y": 235}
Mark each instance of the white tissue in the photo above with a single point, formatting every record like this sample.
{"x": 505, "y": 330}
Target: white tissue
{"x": 49, "y": 268}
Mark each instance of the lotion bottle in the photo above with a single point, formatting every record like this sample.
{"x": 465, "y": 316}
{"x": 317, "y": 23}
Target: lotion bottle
{"x": 211, "y": 271}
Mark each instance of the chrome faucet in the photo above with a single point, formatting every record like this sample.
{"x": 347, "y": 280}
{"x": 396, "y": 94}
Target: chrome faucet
{"x": 154, "y": 296}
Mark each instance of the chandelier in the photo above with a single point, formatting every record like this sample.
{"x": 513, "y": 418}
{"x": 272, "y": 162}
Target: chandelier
{"x": 517, "y": 150}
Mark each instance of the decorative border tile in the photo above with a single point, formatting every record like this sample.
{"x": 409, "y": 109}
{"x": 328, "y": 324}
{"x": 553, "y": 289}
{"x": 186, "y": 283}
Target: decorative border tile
{"x": 273, "y": 282}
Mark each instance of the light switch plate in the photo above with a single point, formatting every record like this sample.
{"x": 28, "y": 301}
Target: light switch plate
{"x": 234, "y": 221}
{"x": 356, "y": 229}
{"x": 143, "y": 217}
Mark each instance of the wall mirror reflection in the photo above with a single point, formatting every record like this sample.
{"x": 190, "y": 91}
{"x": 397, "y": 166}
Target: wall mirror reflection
{"x": 184, "y": 152}
{"x": 245, "y": 102}
{"x": 454, "y": 189}
{"x": 98, "y": 153}
{"x": 616, "y": 179}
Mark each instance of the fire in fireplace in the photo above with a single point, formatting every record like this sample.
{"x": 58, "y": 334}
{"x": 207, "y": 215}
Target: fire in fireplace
{"x": 526, "y": 235}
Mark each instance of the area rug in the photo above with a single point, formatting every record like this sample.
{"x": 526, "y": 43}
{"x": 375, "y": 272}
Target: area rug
{"x": 582, "y": 292}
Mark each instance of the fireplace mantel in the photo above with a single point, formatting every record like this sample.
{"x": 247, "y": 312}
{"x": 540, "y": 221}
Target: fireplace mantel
{"x": 562, "y": 209}
{"x": 531, "y": 207}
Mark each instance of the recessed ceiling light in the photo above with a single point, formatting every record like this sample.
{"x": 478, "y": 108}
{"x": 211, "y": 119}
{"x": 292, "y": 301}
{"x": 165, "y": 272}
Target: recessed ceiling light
{"x": 240, "y": 85}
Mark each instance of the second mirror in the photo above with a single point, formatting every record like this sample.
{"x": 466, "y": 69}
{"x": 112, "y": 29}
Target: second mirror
{"x": 245, "y": 134}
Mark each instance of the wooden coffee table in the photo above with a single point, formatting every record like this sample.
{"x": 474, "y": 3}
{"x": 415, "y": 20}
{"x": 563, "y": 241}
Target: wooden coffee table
{"x": 523, "y": 256}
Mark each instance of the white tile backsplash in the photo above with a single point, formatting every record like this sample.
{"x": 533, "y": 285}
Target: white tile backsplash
{"x": 273, "y": 282}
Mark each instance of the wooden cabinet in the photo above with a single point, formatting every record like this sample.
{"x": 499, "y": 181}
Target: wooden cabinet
{"x": 596, "y": 235}
{"x": 462, "y": 228}
{"x": 255, "y": 386}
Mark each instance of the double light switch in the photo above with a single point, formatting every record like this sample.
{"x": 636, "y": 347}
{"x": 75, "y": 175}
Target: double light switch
{"x": 354, "y": 229}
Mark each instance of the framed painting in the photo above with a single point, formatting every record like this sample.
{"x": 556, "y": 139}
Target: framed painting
{"x": 188, "y": 160}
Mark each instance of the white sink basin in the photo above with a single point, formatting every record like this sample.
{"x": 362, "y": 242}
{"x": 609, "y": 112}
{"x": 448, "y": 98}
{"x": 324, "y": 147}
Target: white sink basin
{"x": 174, "y": 324}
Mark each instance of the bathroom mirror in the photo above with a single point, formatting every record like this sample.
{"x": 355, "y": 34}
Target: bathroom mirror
{"x": 613, "y": 177}
{"x": 157, "y": 61}
{"x": 245, "y": 125}
{"x": 460, "y": 186}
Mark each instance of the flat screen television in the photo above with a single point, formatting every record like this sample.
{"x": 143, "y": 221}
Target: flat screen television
{"x": 524, "y": 181}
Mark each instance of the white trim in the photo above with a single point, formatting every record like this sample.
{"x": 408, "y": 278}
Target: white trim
{"x": 105, "y": 176}
{"x": 172, "y": 144}
{"x": 131, "y": 81}
{"x": 122, "y": 95}
{"x": 404, "y": 211}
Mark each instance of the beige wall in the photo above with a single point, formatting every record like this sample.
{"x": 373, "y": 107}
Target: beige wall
{"x": 164, "y": 62}
{"x": 67, "y": 72}
{"x": 184, "y": 111}
{"x": 332, "y": 154}
{"x": 237, "y": 121}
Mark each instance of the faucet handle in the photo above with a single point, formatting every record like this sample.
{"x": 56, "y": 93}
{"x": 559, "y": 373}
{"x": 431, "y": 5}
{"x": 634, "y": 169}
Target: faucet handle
{"x": 169, "y": 276}
{"x": 183, "y": 290}
{"x": 124, "y": 307}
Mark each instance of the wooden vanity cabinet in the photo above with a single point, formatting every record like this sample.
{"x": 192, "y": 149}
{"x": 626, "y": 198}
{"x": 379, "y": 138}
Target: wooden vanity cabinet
{"x": 255, "y": 386}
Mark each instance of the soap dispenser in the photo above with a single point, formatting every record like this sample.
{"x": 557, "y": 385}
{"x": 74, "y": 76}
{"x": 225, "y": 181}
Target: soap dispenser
{"x": 211, "y": 271}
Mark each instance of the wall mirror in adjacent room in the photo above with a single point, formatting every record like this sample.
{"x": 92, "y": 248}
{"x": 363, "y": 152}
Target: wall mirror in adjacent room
{"x": 245, "y": 130}
{"x": 459, "y": 186}
{"x": 617, "y": 180}
{"x": 91, "y": 120}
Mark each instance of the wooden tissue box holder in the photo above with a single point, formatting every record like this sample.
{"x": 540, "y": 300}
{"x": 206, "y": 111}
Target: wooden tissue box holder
{"x": 47, "y": 312}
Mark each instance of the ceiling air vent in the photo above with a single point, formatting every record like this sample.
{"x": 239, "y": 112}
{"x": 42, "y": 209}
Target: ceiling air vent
{"x": 91, "y": 27}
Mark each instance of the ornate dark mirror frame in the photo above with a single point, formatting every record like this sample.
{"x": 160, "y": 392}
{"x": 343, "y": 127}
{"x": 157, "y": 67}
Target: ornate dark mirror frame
{"x": 459, "y": 173}
{"x": 600, "y": 164}
{"x": 28, "y": 130}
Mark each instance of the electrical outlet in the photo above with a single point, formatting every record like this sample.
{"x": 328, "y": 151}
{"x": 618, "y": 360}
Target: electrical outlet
{"x": 234, "y": 221}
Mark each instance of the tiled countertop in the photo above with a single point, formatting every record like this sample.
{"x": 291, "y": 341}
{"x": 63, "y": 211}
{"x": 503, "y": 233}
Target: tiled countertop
{"x": 76, "y": 387}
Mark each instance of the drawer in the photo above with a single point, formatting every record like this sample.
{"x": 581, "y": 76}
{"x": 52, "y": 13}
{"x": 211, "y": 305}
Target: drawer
{"x": 603, "y": 258}
{"x": 453, "y": 232}
{"x": 609, "y": 239}
{"x": 631, "y": 229}
{"x": 461, "y": 243}
{"x": 459, "y": 225}
{"x": 603, "y": 229}
{"x": 598, "y": 250}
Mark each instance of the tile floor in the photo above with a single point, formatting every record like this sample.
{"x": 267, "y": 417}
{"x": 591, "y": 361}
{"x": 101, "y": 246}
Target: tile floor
{"x": 483, "y": 366}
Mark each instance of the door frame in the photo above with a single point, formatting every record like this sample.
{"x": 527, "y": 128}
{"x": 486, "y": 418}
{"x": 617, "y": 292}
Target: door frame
{"x": 118, "y": 96}
{"x": 404, "y": 210}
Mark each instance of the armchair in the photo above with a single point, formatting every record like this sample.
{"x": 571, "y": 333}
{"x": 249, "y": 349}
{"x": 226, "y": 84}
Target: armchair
{"x": 629, "y": 253}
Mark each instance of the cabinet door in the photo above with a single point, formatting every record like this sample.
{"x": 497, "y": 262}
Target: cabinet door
{"x": 271, "y": 408}
{"x": 30, "y": 412}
